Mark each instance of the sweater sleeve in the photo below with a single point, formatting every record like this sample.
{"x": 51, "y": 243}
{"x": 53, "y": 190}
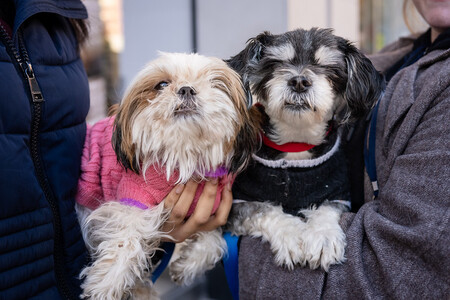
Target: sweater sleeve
{"x": 90, "y": 186}
{"x": 397, "y": 245}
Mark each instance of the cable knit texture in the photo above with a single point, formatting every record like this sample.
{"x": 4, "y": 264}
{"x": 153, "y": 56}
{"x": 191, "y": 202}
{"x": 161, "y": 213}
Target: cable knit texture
{"x": 104, "y": 179}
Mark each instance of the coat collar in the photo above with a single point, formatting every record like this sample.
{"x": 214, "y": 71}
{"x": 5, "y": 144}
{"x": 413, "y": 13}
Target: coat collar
{"x": 73, "y": 9}
{"x": 416, "y": 94}
{"x": 433, "y": 57}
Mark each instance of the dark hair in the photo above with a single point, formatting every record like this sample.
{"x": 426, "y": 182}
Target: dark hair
{"x": 80, "y": 27}
{"x": 7, "y": 11}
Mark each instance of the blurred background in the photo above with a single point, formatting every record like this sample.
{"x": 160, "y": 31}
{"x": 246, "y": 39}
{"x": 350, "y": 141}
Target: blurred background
{"x": 126, "y": 34}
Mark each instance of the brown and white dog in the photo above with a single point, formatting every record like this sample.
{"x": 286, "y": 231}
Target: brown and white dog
{"x": 184, "y": 116}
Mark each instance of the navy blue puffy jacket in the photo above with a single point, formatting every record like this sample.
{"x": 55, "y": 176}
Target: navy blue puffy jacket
{"x": 41, "y": 248}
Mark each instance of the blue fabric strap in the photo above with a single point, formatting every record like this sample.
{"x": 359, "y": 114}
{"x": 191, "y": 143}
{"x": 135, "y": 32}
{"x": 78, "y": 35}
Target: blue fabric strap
{"x": 168, "y": 251}
{"x": 369, "y": 149}
{"x": 231, "y": 263}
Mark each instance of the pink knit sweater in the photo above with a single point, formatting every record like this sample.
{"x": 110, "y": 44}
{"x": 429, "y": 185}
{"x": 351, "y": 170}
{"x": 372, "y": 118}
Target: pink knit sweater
{"x": 103, "y": 178}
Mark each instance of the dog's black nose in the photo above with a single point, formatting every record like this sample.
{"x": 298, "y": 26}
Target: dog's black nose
{"x": 186, "y": 92}
{"x": 299, "y": 83}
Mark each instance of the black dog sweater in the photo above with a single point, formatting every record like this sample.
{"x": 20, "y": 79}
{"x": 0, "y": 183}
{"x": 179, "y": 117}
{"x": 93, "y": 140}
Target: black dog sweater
{"x": 295, "y": 185}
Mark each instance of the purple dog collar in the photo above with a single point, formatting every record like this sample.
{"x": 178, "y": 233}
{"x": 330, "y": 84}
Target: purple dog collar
{"x": 132, "y": 202}
{"x": 219, "y": 172}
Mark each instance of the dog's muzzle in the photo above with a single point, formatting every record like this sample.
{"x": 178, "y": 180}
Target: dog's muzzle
{"x": 188, "y": 103}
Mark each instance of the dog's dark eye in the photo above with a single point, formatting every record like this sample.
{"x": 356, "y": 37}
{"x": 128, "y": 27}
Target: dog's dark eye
{"x": 161, "y": 85}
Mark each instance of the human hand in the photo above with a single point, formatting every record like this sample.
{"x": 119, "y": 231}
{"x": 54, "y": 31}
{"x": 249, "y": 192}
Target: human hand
{"x": 179, "y": 201}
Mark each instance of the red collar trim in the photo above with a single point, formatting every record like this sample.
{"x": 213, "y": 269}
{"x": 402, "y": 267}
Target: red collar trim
{"x": 290, "y": 147}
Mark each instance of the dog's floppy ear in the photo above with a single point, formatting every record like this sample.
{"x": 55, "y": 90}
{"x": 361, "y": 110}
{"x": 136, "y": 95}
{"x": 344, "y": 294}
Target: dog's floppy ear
{"x": 121, "y": 141}
{"x": 248, "y": 127}
{"x": 251, "y": 54}
{"x": 248, "y": 58}
{"x": 247, "y": 140}
{"x": 364, "y": 83}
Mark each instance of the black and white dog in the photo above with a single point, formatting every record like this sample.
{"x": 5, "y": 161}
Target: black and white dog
{"x": 307, "y": 84}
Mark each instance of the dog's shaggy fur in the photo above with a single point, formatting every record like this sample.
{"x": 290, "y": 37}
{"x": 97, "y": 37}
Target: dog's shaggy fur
{"x": 186, "y": 114}
{"x": 308, "y": 83}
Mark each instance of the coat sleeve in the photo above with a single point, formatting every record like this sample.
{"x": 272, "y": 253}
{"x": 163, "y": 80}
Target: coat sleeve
{"x": 398, "y": 245}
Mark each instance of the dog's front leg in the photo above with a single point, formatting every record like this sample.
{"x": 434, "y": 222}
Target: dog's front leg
{"x": 323, "y": 239}
{"x": 197, "y": 255}
{"x": 281, "y": 230}
{"x": 122, "y": 238}
{"x": 115, "y": 270}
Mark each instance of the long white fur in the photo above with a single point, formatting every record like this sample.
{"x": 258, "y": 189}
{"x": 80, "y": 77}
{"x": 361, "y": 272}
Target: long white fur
{"x": 323, "y": 240}
{"x": 185, "y": 145}
{"x": 317, "y": 242}
{"x": 197, "y": 255}
{"x": 292, "y": 240}
{"x": 122, "y": 239}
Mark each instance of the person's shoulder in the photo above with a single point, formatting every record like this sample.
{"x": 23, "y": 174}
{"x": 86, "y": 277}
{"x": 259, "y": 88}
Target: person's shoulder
{"x": 401, "y": 43}
{"x": 393, "y": 52}
{"x": 439, "y": 56}
{"x": 433, "y": 74}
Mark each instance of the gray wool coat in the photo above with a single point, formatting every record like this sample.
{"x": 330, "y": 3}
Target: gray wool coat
{"x": 399, "y": 244}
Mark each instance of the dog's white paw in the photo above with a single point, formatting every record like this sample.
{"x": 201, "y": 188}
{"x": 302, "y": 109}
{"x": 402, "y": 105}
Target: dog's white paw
{"x": 324, "y": 247}
{"x": 197, "y": 255}
{"x": 181, "y": 272}
{"x": 323, "y": 239}
{"x": 143, "y": 290}
{"x": 288, "y": 250}
{"x": 282, "y": 231}
{"x": 286, "y": 241}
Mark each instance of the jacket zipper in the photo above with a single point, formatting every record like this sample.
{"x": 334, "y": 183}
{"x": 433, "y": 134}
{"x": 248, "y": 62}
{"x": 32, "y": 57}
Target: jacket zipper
{"x": 22, "y": 59}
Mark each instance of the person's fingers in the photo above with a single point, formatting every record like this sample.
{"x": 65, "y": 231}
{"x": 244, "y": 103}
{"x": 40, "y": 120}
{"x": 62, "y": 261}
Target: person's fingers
{"x": 181, "y": 207}
{"x": 179, "y": 200}
{"x": 172, "y": 198}
{"x": 205, "y": 203}
{"x": 202, "y": 212}
{"x": 221, "y": 215}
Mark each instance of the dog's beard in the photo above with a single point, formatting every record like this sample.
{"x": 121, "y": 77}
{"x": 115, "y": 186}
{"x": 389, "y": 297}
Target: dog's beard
{"x": 300, "y": 116}
{"x": 192, "y": 140}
